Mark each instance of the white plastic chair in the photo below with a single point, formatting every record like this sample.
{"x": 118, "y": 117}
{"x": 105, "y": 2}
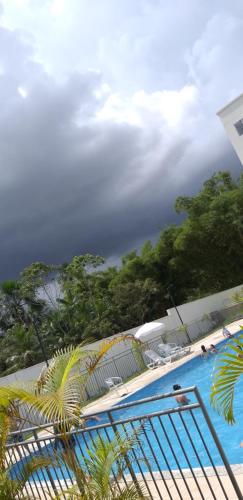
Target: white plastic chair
{"x": 113, "y": 382}
{"x": 155, "y": 359}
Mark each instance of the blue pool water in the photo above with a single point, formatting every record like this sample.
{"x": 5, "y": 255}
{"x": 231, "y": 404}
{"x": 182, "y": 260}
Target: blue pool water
{"x": 194, "y": 372}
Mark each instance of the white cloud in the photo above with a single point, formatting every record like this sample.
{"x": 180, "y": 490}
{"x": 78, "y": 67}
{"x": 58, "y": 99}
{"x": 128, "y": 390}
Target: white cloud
{"x": 117, "y": 109}
{"x": 57, "y": 7}
{"x": 168, "y": 109}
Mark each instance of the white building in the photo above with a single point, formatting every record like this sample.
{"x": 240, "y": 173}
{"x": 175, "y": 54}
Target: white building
{"x": 232, "y": 118}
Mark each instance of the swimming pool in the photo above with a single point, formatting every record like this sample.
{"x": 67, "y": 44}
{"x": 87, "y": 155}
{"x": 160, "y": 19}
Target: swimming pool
{"x": 193, "y": 372}
{"x": 198, "y": 372}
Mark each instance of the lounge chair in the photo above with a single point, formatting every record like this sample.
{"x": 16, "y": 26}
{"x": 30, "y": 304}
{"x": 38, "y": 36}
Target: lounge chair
{"x": 169, "y": 348}
{"x": 113, "y": 382}
{"x": 173, "y": 350}
{"x": 155, "y": 359}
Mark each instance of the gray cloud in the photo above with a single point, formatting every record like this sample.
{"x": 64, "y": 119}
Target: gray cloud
{"x": 73, "y": 181}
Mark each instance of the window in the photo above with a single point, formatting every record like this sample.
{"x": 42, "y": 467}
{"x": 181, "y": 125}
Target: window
{"x": 239, "y": 127}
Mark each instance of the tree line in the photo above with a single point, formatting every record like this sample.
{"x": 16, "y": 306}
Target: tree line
{"x": 84, "y": 300}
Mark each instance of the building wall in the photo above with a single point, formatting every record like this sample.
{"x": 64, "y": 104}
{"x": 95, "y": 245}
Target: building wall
{"x": 230, "y": 115}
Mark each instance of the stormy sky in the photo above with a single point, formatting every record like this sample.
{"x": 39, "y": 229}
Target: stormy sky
{"x": 108, "y": 112}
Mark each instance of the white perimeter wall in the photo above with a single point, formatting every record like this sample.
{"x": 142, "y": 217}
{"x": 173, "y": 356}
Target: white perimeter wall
{"x": 198, "y": 308}
{"x": 190, "y": 313}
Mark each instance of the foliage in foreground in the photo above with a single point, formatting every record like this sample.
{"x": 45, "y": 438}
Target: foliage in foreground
{"x": 227, "y": 372}
{"x": 10, "y": 489}
{"x": 57, "y": 395}
{"x": 99, "y": 476}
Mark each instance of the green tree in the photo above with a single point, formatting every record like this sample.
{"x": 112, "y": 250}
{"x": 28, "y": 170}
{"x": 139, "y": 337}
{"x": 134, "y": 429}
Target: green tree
{"x": 20, "y": 347}
{"x": 208, "y": 246}
{"x": 136, "y": 302}
{"x": 83, "y": 299}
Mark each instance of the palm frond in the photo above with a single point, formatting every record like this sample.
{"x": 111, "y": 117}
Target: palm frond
{"x": 28, "y": 469}
{"x": 58, "y": 393}
{"x": 71, "y": 493}
{"x": 226, "y": 374}
{"x": 62, "y": 364}
{"x": 106, "y": 346}
{"x": 106, "y": 460}
{"x": 130, "y": 493}
{"x": 110, "y": 459}
{"x": 4, "y": 432}
{"x": 11, "y": 488}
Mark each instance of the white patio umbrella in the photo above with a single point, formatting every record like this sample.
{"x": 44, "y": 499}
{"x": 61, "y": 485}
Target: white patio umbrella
{"x": 148, "y": 328}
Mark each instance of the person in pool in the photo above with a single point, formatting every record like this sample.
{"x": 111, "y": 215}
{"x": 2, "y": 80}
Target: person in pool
{"x": 180, "y": 398}
{"x": 213, "y": 349}
{"x": 204, "y": 352}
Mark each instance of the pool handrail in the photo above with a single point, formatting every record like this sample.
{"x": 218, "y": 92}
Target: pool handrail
{"x": 113, "y": 408}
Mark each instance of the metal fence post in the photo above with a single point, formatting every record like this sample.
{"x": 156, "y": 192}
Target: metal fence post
{"x": 126, "y": 458}
{"x": 218, "y": 444}
{"x": 46, "y": 468}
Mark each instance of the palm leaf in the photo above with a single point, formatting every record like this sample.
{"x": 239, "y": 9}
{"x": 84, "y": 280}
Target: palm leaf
{"x": 106, "y": 346}
{"x": 13, "y": 488}
{"x": 226, "y": 374}
{"x": 4, "y": 432}
{"x": 58, "y": 393}
{"x": 109, "y": 458}
{"x": 130, "y": 493}
{"x": 61, "y": 366}
{"x": 94, "y": 475}
{"x": 30, "y": 468}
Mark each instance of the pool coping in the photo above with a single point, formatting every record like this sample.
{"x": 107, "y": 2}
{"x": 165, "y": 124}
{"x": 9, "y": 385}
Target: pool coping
{"x": 157, "y": 476}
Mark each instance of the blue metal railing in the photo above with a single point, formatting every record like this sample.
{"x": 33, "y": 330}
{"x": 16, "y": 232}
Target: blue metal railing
{"x": 173, "y": 458}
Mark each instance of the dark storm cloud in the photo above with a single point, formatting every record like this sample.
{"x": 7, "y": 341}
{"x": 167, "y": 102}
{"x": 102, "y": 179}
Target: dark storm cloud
{"x": 72, "y": 183}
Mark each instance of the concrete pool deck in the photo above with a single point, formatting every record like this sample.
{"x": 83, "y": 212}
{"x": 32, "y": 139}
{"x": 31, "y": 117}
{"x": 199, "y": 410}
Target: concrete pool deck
{"x": 139, "y": 382}
{"x": 168, "y": 487}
